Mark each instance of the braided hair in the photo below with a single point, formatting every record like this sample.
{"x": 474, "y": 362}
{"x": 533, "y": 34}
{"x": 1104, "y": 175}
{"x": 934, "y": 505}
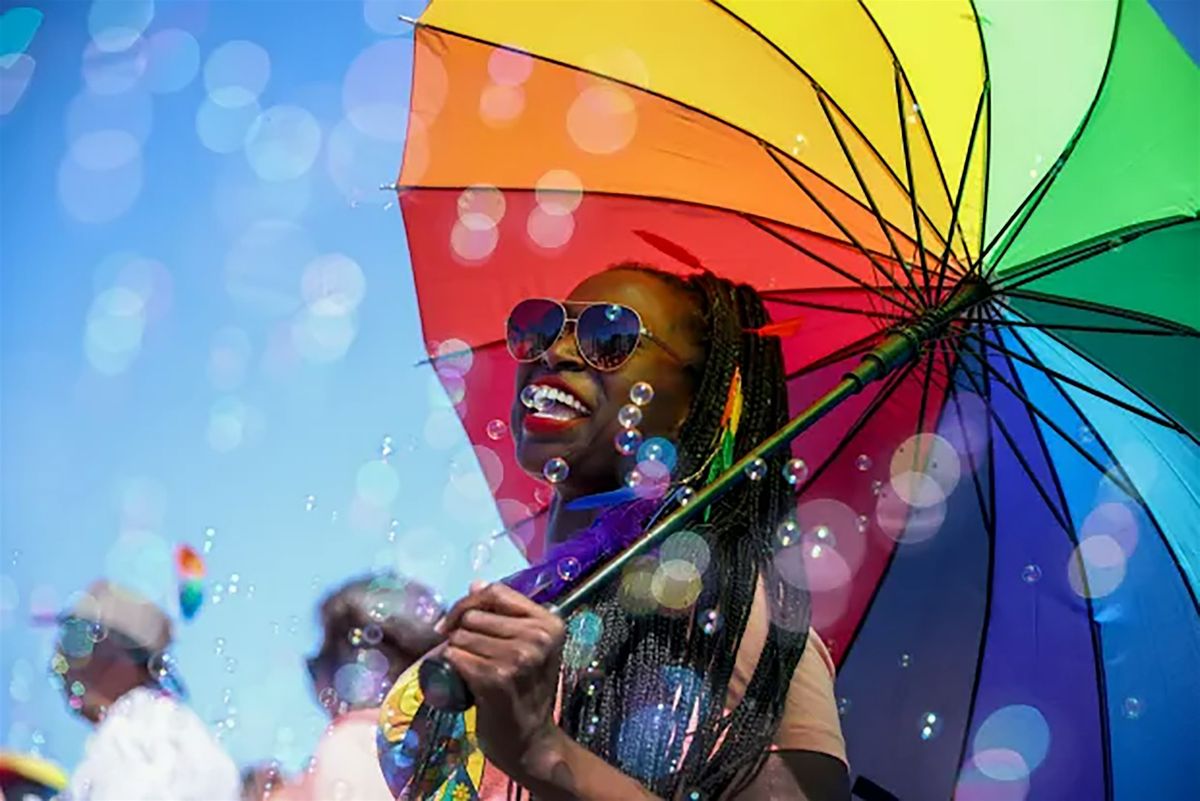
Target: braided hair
{"x": 652, "y": 700}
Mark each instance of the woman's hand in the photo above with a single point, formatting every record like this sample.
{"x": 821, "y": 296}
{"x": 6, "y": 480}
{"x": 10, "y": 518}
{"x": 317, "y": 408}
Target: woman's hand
{"x": 508, "y": 649}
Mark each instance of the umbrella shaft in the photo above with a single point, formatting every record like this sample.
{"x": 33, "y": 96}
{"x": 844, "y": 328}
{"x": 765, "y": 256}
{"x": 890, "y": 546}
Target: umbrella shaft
{"x": 896, "y": 350}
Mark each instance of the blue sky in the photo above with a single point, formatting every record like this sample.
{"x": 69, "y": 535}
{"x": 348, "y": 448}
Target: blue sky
{"x": 195, "y": 340}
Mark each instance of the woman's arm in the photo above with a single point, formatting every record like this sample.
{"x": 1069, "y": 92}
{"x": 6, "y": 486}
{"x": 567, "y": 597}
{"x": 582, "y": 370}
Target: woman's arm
{"x": 800, "y": 775}
{"x": 560, "y": 769}
{"x": 507, "y": 649}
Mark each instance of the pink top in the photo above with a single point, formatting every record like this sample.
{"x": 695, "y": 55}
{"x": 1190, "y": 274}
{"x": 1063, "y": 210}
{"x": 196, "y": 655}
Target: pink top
{"x": 345, "y": 765}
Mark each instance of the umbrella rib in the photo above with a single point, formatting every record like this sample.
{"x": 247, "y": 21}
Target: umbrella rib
{"x": 1070, "y": 256}
{"x": 463, "y": 352}
{"x": 1141, "y": 502}
{"x": 891, "y": 558}
{"x": 954, "y": 391}
{"x": 861, "y": 345}
{"x": 1122, "y": 484}
{"x": 958, "y": 198}
{"x": 925, "y": 128}
{"x": 673, "y": 101}
{"x": 1025, "y": 209}
{"x": 795, "y": 179}
{"x": 805, "y": 304}
{"x": 891, "y": 383}
{"x": 1098, "y": 329}
{"x": 1101, "y": 308}
{"x": 1068, "y": 346}
{"x": 757, "y": 223}
{"x": 883, "y": 223}
{"x": 912, "y": 187}
{"x": 1093, "y": 626}
{"x": 1037, "y": 364}
{"x": 817, "y": 85}
{"x": 1008, "y": 437}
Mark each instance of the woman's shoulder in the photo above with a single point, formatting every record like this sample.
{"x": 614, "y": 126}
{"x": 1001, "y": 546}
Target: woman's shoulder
{"x": 810, "y": 719}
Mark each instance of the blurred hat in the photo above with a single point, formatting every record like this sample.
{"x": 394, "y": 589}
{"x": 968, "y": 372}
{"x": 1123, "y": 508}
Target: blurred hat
{"x": 124, "y": 612}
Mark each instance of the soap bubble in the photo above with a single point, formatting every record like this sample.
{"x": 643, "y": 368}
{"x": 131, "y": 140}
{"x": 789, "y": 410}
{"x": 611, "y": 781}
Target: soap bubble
{"x": 556, "y": 470}
{"x": 629, "y": 416}
{"x": 756, "y": 470}
{"x": 641, "y": 393}
{"x": 627, "y": 441}
{"x": 795, "y": 471}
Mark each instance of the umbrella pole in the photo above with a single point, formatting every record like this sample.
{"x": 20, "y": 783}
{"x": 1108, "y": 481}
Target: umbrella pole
{"x": 437, "y": 678}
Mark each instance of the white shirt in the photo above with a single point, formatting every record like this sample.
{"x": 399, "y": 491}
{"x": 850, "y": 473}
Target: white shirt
{"x": 150, "y": 747}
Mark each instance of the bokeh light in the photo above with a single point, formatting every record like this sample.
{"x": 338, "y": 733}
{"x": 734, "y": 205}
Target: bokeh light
{"x": 264, "y": 266}
{"x": 131, "y": 112}
{"x": 147, "y": 278}
{"x": 236, "y": 73}
{"x": 282, "y": 143}
{"x": 501, "y": 105}
{"x": 116, "y": 24}
{"x": 223, "y": 129}
{"x": 174, "y": 60}
{"x": 907, "y": 525}
{"x": 377, "y": 482}
{"x": 977, "y": 782}
{"x": 509, "y": 67}
{"x": 966, "y": 425}
{"x": 359, "y": 164}
{"x": 602, "y": 120}
{"x": 925, "y": 469}
{"x": 1018, "y": 729}
{"x": 559, "y": 192}
{"x": 687, "y": 546}
{"x": 113, "y": 334}
{"x": 112, "y": 72}
{"x": 622, "y": 63}
{"x": 227, "y": 424}
{"x": 1096, "y": 566}
{"x": 1114, "y": 520}
{"x": 549, "y": 231}
{"x": 101, "y": 176}
{"x": 379, "y": 108}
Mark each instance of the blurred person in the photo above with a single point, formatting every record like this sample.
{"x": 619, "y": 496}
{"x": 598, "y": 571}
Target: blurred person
{"x": 113, "y": 662}
{"x": 373, "y": 628}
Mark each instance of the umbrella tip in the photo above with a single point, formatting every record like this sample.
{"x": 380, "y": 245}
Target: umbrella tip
{"x": 409, "y": 20}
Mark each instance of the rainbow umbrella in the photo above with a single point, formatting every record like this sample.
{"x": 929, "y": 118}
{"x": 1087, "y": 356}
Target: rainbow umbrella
{"x": 997, "y": 522}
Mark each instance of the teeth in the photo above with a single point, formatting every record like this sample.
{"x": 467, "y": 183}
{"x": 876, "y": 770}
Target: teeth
{"x": 559, "y": 396}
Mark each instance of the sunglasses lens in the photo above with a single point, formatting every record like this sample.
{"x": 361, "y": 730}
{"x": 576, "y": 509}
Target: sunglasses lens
{"x": 608, "y": 334}
{"x": 533, "y": 325}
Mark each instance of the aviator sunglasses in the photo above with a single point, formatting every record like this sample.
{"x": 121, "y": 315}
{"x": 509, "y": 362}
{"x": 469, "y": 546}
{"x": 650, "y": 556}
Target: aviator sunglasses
{"x": 606, "y": 334}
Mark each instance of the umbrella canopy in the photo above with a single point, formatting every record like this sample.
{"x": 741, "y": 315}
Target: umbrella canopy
{"x": 1000, "y": 538}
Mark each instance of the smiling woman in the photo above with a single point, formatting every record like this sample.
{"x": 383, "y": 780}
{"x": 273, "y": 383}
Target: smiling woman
{"x": 693, "y": 676}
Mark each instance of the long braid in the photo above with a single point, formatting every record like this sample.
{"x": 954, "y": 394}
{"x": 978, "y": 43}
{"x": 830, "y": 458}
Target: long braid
{"x": 654, "y": 672}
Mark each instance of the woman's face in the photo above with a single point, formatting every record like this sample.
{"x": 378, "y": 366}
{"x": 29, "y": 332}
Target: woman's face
{"x": 585, "y": 440}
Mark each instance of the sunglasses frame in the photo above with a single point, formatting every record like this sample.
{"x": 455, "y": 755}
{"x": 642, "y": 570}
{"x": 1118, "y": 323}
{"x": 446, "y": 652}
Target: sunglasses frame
{"x": 643, "y": 333}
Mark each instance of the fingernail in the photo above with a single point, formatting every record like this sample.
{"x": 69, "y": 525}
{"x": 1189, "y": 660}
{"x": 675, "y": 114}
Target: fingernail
{"x": 440, "y": 626}
{"x": 478, "y": 586}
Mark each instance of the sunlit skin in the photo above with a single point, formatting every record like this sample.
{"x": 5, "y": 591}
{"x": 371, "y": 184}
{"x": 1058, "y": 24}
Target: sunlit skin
{"x": 587, "y": 445}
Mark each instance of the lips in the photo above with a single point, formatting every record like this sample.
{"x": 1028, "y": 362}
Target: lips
{"x": 552, "y": 406}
